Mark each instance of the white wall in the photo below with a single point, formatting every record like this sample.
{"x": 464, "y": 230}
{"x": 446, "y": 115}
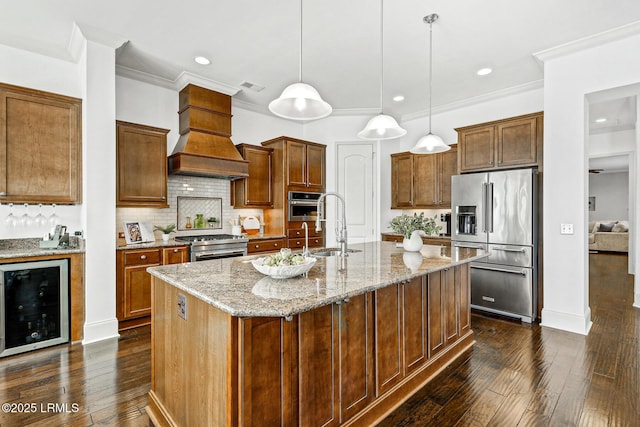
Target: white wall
{"x": 612, "y": 143}
{"x": 611, "y": 191}
{"x": 569, "y": 77}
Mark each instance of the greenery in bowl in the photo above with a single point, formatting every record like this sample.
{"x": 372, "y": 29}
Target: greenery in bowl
{"x": 406, "y": 224}
{"x": 164, "y": 229}
{"x": 212, "y": 219}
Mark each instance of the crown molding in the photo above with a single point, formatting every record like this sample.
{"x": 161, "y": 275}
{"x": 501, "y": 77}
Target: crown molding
{"x": 250, "y": 106}
{"x": 514, "y": 90}
{"x": 588, "y": 42}
{"x": 179, "y": 83}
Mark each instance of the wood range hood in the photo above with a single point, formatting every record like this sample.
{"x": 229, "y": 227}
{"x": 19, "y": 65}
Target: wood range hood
{"x": 205, "y": 147}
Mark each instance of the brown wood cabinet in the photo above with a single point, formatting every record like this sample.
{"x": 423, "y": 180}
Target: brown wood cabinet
{"x": 265, "y": 245}
{"x": 431, "y": 240}
{"x": 133, "y": 290}
{"x": 41, "y": 146}
{"x": 422, "y": 180}
{"x": 502, "y": 144}
{"x": 448, "y": 307}
{"x": 256, "y": 190}
{"x": 297, "y": 166}
{"x": 141, "y": 166}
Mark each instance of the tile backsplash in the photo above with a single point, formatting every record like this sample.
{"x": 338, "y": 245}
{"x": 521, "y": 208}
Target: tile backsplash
{"x": 184, "y": 186}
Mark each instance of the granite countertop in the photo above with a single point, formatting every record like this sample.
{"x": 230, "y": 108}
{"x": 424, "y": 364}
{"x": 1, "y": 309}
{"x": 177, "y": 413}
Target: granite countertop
{"x": 235, "y": 287}
{"x": 121, "y": 244}
{"x": 30, "y": 247}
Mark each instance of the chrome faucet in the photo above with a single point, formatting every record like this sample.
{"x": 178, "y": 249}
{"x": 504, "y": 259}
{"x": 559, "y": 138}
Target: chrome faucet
{"x": 305, "y": 249}
{"x": 341, "y": 233}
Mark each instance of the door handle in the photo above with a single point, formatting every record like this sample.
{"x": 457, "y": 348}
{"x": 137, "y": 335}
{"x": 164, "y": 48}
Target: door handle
{"x": 521, "y": 250}
{"x": 462, "y": 245}
{"x": 501, "y": 270}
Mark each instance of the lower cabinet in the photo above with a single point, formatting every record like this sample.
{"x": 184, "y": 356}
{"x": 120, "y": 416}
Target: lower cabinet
{"x": 265, "y": 245}
{"x": 133, "y": 283}
{"x": 346, "y": 362}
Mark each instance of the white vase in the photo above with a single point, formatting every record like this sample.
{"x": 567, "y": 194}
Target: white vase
{"x": 165, "y": 237}
{"x": 414, "y": 243}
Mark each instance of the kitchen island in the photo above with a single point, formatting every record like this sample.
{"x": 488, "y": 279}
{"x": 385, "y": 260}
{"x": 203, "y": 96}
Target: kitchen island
{"x": 343, "y": 346}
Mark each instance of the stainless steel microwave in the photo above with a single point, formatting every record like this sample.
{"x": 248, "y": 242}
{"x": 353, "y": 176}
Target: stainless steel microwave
{"x": 303, "y": 205}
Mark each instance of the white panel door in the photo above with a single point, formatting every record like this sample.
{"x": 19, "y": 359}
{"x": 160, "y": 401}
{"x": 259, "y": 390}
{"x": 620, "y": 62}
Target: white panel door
{"x": 356, "y": 181}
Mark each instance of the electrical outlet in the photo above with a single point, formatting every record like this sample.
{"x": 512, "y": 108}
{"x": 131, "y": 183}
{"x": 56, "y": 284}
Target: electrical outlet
{"x": 566, "y": 228}
{"x": 182, "y": 306}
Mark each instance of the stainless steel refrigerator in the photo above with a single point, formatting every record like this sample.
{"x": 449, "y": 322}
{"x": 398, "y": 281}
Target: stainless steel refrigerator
{"x": 497, "y": 211}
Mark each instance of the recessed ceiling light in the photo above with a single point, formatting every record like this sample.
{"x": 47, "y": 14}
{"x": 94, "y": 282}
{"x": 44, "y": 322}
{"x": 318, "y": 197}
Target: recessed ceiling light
{"x": 601, "y": 120}
{"x": 398, "y": 98}
{"x": 202, "y": 60}
{"x": 484, "y": 71}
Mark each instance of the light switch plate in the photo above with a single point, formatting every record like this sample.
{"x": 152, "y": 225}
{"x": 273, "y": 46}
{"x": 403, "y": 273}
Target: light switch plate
{"x": 566, "y": 228}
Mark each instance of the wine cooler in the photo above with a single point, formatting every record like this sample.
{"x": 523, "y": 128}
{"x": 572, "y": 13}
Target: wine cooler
{"x": 34, "y": 299}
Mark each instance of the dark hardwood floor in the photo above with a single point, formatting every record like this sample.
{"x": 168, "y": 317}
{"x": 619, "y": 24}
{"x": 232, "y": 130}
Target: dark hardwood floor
{"x": 515, "y": 375}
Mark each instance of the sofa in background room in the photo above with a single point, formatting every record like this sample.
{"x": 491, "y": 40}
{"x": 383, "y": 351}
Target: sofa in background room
{"x": 609, "y": 236}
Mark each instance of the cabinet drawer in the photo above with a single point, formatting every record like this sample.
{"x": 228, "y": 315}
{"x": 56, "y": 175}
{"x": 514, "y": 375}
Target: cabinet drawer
{"x": 314, "y": 242}
{"x": 294, "y": 233}
{"x": 143, "y": 257}
{"x": 265, "y": 245}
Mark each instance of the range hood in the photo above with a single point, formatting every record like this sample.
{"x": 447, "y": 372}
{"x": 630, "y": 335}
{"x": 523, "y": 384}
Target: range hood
{"x": 205, "y": 147}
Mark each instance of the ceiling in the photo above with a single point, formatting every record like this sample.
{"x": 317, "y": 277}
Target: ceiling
{"x": 609, "y": 164}
{"x": 258, "y": 42}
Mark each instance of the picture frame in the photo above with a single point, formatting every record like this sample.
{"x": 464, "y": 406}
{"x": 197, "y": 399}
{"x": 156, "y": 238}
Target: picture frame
{"x": 136, "y": 232}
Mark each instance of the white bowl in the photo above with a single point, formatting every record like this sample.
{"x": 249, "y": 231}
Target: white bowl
{"x": 284, "y": 272}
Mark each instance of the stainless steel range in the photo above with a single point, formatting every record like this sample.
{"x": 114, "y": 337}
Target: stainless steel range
{"x": 215, "y": 246}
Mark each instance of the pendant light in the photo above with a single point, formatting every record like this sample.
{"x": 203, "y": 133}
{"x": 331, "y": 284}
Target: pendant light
{"x": 430, "y": 143}
{"x": 300, "y": 101}
{"x": 382, "y": 126}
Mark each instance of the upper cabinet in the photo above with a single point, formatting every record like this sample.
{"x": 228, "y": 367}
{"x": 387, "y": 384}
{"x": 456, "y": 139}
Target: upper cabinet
{"x": 40, "y": 147}
{"x": 508, "y": 143}
{"x": 422, "y": 180}
{"x": 305, "y": 163}
{"x": 256, "y": 190}
{"x": 141, "y": 166}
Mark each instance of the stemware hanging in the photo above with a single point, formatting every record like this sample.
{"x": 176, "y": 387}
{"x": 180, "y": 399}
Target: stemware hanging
{"x": 11, "y": 220}
{"x": 53, "y": 218}
{"x": 40, "y": 219}
{"x": 25, "y": 219}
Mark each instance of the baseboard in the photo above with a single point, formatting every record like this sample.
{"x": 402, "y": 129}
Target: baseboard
{"x": 98, "y": 331}
{"x": 567, "y": 322}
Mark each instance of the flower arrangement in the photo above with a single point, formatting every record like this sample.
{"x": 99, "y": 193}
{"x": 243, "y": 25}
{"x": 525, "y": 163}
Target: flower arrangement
{"x": 406, "y": 224}
{"x": 164, "y": 229}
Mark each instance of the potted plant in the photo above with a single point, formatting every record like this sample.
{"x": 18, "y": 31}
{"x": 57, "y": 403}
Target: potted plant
{"x": 165, "y": 230}
{"x": 410, "y": 227}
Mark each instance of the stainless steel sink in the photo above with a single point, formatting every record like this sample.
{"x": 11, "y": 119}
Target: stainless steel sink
{"x": 326, "y": 252}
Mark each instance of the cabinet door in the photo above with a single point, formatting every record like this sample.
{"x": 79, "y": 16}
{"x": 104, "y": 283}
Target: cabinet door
{"x": 435, "y": 314}
{"x": 414, "y": 324}
{"x": 296, "y": 162}
{"x": 137, "y": 292}
{"x": 141, "y": 166}
{"x": 176, "y": 255}
{"x": 388, "y": 337}
{"x": 451, "y": 302}
{"x": 315, "y": 167}
{"x": 401, "y": 180}
{"x": 517, "y": 143}
{"x": 355, "y": 353}
{"x": 462, "y": 280}
{"x": 265, "y": 372}
{"x": 424, "y": 180}
{"x": 40, "y": 142}
{"x": 256, "y": 190}
{"x": 447, "y": 167}
{"x": 317, "y": 372}
{"x": 477, "y": 149}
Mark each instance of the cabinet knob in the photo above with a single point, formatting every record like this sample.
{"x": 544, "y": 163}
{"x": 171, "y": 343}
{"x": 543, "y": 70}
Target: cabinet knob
{"x": 298, "y": 243}
{"x": 275, "y": 244}
{"x": 175, "y": 251}
{"x": 143, "y": 257}
{"x": 257, "y": 246}
{"x": 297, "y": 233}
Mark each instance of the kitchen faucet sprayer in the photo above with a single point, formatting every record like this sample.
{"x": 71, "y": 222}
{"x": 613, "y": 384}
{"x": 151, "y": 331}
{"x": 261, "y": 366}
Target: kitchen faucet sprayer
{"x": 341, "y": 233}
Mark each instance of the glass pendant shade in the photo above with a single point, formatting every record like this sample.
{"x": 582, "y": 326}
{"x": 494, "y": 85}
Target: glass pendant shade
{"x": 430, "y": 144}
{"x": 382, "y": 126}
{"x": 300, "y": 101}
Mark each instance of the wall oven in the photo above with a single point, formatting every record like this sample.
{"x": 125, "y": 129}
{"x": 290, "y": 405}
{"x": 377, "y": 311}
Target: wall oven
{"x": 302, "y": 205}
{"x": 34, "y": 298}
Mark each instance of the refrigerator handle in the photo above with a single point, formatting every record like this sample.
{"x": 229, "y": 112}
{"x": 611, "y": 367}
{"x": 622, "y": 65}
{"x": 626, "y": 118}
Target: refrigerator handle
{"x": 489, "y": 210}
{"x": 484, "y": 200}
